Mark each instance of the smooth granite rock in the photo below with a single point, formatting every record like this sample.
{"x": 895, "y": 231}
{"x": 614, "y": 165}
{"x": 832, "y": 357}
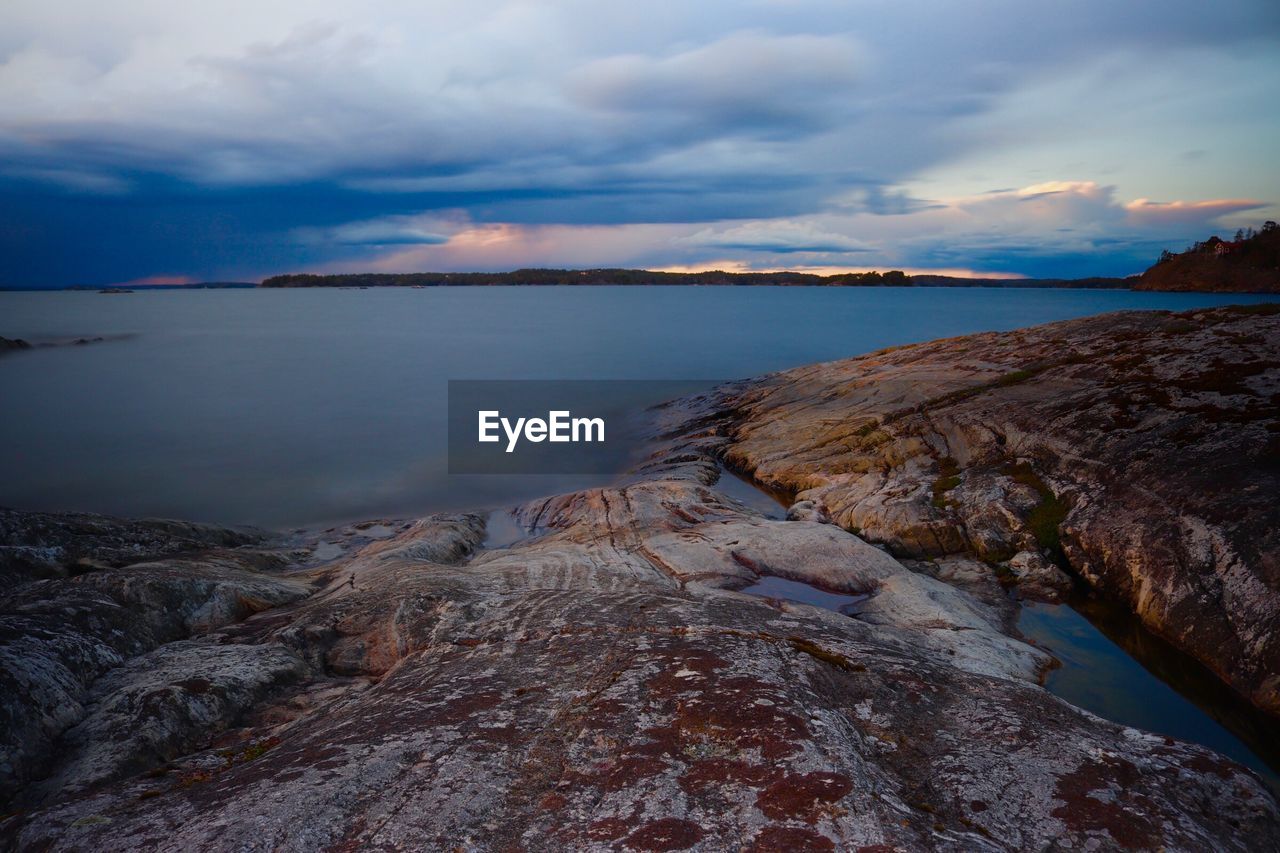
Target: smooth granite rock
{"x": 1139, "y": 449}
{"x": 600, "y": 684}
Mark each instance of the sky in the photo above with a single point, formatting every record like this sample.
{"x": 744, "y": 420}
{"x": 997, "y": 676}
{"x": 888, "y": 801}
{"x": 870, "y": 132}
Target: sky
{"x": 147, "y": 141}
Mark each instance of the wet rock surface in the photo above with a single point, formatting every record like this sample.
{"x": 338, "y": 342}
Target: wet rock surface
{"x": 1139, "y": 449}
{"x": 598, "y": 683}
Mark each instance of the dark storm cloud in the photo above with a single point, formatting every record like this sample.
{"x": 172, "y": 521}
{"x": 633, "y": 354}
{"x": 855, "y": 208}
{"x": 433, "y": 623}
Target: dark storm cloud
{"x": 238, "y": 139}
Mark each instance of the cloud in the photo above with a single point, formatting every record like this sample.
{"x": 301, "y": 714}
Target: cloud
{"x": 395, "y": 231}
{"x": 579, "y": 94}
{"x": 82, "y": 181}
{"x": 1086, "y": 214}
{"x": 781, "y": 85}
{"x": 1182, "y": 213}
{"x": 1049, "y": 229}
{"x": 1059, "y": 229}
{"x": 507, "y": 246}
{"x": 783, "y": 237}
{"x": 161, "y": 279}
{"x": 240, "y": 138}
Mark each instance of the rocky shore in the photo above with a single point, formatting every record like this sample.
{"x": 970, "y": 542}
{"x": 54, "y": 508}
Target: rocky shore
{"x": 1140, "y": 450}
{"x": 602, "y": 683}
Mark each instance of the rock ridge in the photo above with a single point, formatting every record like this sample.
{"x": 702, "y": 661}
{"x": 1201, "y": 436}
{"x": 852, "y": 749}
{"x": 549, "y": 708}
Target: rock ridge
{"x": 1133, "y": 448}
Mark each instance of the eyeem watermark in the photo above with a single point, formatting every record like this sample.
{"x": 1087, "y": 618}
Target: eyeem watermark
{"x": 558, "y": 427}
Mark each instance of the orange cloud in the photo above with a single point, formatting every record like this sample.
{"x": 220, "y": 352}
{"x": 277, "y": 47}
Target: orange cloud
{"x": 511, "y": 246}
{"x": 1144, "y": 211}
{"x": 740, "y": 266}
{"x": 153, "y": 280}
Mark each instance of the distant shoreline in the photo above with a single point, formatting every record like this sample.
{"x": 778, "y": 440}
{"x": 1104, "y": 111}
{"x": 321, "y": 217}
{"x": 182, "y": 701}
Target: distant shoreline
{"x": 648, "y": 278}
{"x": 610, "y": 278}
{"x": 630, "y": 278}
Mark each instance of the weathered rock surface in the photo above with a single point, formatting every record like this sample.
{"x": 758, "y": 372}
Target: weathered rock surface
{"x": 600, "y": 683}
{"x": 165, "y": 704}
{"x": 1142, "y": 449}
{"x": 1037, "y": 576}
{"x": 59, "y": 637}
{"x": 45, "y": 545}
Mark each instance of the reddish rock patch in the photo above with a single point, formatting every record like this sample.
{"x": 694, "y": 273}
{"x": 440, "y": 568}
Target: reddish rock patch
{"x": 463, "y": 708}
{"x": 604, "y": 713}
{"x": 716, "y": 772}
{"x": 608, "y": 829}
{"x": 803, "y": 797}
{"x": 790, "y": 839}
{"x": 670, "y": 833}
{"x": 684, "y": 669}
{"x": 552, "y": 802}
{"x": 627, "y": 771}
{"x": 1096, "y": 799}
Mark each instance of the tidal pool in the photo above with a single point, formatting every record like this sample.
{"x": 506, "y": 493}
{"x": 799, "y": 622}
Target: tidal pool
{"x": 1110, "y": 664}
{"x": 769, "y": 586}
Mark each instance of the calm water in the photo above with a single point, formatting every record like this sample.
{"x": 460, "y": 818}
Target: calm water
{"x": 285, "y": 408}
{"x": 1113, "y": 666}
{"x": 771, "y": 587}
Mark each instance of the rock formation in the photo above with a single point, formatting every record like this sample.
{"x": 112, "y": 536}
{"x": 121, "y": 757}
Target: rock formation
{"x": 1139, "y": 449}
{"x": 602, "y": 683}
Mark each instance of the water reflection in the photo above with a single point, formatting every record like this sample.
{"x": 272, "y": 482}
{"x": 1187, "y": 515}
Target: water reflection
{"x": 781, "y": 589}
{"x": 1116, "y": 668}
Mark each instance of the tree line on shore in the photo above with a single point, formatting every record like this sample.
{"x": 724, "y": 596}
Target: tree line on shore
{"x": 607, "y": 277}
{"x": 585, "y": 277}
{"x": 1246, "y": 241}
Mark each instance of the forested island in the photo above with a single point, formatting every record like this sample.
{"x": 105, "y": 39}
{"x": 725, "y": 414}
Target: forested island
{"x": 604, "y": 277}
{"x": 1248, "y": 263}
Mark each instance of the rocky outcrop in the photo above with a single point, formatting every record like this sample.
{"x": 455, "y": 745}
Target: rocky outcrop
{"x": 9, "y": 345}
{"x": 43, "y": 545}
{"x": 602, "y": 682}
{"x": 1141, "y": 450}
{"x": 598, "y": 684}
{"x": 60, "y": 637}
